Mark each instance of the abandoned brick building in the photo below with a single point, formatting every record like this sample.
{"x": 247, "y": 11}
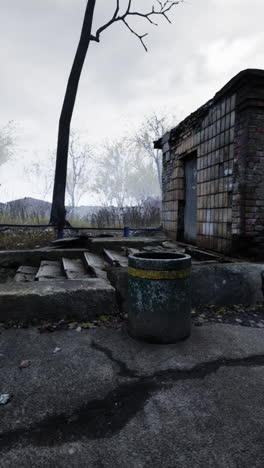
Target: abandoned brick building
{"x": 213, "y": 170}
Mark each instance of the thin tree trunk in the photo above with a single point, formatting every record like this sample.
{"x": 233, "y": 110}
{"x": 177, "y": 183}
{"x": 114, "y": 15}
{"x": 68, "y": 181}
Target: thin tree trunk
{"x": 58, "y": 212}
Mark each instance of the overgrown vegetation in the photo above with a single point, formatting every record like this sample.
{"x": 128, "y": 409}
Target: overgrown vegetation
{"x": 22, "y": 238}
{"x": 146, "y": 214}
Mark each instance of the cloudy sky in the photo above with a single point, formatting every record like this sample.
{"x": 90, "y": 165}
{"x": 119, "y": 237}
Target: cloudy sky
{"x": 208, "y": 42}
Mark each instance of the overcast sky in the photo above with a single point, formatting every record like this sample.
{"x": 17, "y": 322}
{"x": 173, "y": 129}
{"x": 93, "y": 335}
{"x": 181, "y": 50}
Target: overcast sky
{"x": 188, "y": 62}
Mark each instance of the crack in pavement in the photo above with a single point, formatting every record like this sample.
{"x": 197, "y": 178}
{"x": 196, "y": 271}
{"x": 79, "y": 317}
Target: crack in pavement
{"x": 102, "y": 418}
{"x": 124, "y": 369}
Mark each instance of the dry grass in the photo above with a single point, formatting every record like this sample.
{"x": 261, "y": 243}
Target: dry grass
{"x": 22, "y": 238}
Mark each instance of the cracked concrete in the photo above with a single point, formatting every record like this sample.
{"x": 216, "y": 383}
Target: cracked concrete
{"x": 106, "y": 400}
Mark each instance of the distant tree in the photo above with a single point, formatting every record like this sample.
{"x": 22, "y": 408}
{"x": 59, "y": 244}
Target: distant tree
{"x": 41, "y": 174}
{"x": 152, "y": 128}
{"x": 161, "y": 8}
{"x": 7, "y": 142}
{"x": 79, "y": 169}
{"x": 124, "y": 176}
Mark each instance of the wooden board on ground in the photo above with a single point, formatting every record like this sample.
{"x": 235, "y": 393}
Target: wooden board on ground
{"x": 49, "y": 270}
{"x": 115, "y": 258}
{"x": 25, "y": 274}
{"x": 74, "y": 268}
{"x": 96, "y": 264}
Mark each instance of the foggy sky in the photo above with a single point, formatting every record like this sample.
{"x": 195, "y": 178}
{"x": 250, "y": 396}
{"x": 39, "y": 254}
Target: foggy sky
{"x": 187, "y": 63}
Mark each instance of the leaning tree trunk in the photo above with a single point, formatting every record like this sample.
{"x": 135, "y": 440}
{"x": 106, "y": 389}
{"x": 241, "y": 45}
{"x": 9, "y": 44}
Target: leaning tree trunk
{"x": 58, "y": 212}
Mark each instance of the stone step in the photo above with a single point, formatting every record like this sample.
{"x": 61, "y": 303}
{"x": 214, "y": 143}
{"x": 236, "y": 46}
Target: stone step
{"x": 95, "y": 264}
{"x": 76, "y": 300}
{"x": 74, "y": 269}
{"x": 25, "y": 274}
{"x": 50, "y": 270}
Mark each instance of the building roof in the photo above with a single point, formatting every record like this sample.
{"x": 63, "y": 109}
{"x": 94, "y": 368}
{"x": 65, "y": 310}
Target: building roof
{"x": 195, "y": 117}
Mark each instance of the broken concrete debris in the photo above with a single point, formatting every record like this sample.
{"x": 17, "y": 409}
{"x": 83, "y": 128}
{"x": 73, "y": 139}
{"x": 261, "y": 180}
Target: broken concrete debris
{"x": 5, "y": 398}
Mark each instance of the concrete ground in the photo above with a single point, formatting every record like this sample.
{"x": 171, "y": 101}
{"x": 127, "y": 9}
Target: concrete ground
{"x": 105, "y": 400}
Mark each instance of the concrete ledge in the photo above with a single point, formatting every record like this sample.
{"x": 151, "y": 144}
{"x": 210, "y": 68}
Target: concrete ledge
{"x": 216, "y": 284}
{"x": 228, "y": 283}
{"x": 82, "y": 300}
{"x": 97, "y": 245}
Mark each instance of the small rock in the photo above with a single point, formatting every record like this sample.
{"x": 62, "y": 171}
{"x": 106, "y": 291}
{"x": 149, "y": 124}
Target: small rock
{"x": 56, "y": 350}
{"x": 24, "y": 364}
{"x": 5, "y": 398}
{"x": 260, "y": 325}
{"x": 238, "y": 320}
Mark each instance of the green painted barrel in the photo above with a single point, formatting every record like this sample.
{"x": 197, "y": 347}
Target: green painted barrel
{"x": 159, "y": 296}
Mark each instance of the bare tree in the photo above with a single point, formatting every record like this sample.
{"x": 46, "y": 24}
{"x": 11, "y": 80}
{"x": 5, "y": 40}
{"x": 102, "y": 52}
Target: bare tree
{"x": 77, "y": 174}
{"x": 41, "y": 173}
{"x": 160, "y": 8}
{"x": 78, "y": 170}
{"x": 151, "y": 129}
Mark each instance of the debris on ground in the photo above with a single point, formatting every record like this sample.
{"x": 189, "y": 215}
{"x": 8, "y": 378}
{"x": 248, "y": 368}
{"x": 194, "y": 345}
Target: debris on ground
{"x": 79, "y": 329}
{"x": 56, "y": 350}
{"x": 24, "y": 364}
{"x": 5, "y": 398}
{"x": 237, "y": 314}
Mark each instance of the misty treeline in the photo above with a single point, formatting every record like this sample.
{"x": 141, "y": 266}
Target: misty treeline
{"x": 121, "y": 172}
{"x": 144, "y": 214}
{"x": 125, "y": 175}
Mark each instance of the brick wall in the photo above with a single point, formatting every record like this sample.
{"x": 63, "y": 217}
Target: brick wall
{"x": 227, "y": 136}
{"x": 210, "y": 133}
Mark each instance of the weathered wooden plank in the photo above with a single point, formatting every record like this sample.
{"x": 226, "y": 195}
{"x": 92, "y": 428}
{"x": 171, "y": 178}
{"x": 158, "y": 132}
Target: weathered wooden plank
{"x": 115, "y": 258}
{"x": 74, "y": 268}
{"x": 25, "y": 274}
{"x": 96, "y": 264}
{"x": 50, "y": 270}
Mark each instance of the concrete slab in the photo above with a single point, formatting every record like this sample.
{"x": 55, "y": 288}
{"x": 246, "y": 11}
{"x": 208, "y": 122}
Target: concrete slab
{"x": 84, "y": 300}
{"x": 50, "y": 270}
{"x": 228, "y": 283}
{"x": 74, "y": 268}
{"x": 116, "y": 243}
{"x": 106, "y": 400}
{"x": 15, "y": 258}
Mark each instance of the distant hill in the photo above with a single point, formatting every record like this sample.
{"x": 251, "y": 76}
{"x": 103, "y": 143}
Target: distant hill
{"x": 28, "y": 208}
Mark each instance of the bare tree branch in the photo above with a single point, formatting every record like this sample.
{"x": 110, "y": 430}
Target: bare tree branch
{"x": 165, "y": 6}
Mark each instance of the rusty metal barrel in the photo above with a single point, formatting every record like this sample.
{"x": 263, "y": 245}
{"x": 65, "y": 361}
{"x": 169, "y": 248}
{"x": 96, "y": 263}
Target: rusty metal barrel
{"x": 159, "y": 296}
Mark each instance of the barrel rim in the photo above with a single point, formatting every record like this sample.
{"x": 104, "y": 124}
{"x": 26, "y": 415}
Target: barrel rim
{"x": 160, "y": 256}
{"x": 147, "y": 261}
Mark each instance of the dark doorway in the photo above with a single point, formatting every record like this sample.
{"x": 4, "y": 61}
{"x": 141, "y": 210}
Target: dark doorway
{"x": 190, "y": 210}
